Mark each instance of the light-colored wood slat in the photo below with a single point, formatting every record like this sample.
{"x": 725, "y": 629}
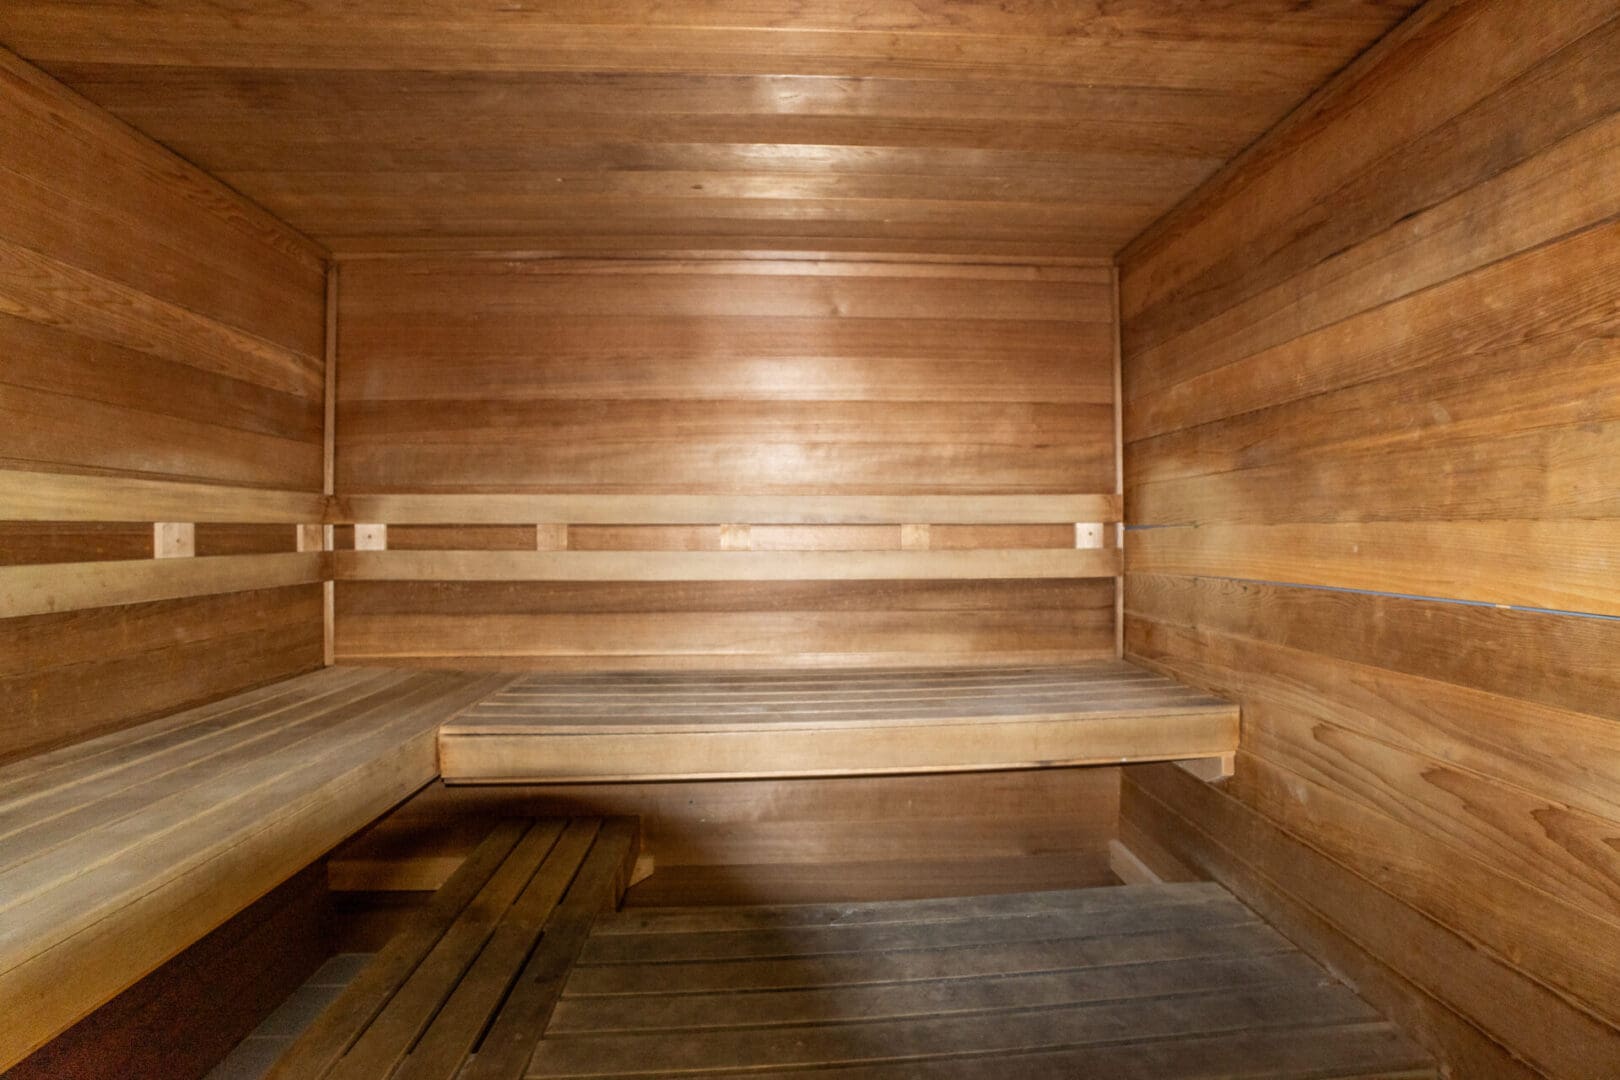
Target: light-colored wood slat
{"x": 171, "y": 818}
{"x": 1002, "y": 744}
{"x": 100, "y": 792}
{"x": 674, "y": 1011}
{"x": 38, "y": 590}
{"x": 663, "y": 1054}
{"x": 793, "y": 680}
{"x": 61, "y": 770}
{"x": 564, "y": 718}
{"x": 640, "y": 728}
{"x": 900, "y": 691}
{"x": 130, "y": 896}
{"x": 530, "y": 719}
{"x": 43, "y": 496}
{"x": 502, "y": 509}
{"x": 721, "y": 565}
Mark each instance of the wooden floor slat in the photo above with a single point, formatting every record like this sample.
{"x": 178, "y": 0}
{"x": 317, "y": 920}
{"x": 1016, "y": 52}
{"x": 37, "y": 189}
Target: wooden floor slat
{"x": 938, "y": 997}
{"x": 895, "y": 937}
{"x": 1164, "y": 981}
{"x": 936, "y": 963}
{"x": 1367, "y": 1051}
{"x": 668, "y": 921}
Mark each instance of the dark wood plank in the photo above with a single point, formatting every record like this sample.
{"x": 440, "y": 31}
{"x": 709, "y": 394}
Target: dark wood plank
{"x": 654, "y": 1011}
{"x": 341, "y": 1023}
{"x": 507, "y": 1046}
{"x": 483, "y": 989}
{"x": 417, "y": 1001}
{"x": 717, "y": 1049}
{"x": 1369, "y": 1051}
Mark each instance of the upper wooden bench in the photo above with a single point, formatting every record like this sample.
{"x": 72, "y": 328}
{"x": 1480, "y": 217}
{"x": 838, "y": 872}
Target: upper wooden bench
{"x": 652, "y": 726}
{"x": 117, "y": 853}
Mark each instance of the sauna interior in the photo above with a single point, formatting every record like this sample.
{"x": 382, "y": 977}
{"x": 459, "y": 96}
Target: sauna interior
{"x": 851, "y": 540}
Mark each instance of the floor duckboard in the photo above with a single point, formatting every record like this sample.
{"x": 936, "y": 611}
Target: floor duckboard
{"x": 1158, "y": 981}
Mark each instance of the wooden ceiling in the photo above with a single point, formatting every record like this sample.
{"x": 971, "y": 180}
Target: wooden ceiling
{"x": 955, "y": 127}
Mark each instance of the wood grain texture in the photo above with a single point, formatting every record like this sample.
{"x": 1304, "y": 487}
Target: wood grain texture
{"x": 162, "y": 338}
{"x": 632, "y": 127}
{"x": 121, "y": 851}
{"x": 1375, "y": 364}
{"x": 1045, "y": 984}
{"x": 622, "y": 396}
{"x": 715, "y": 509}
{"x": 613, "y": 626}
{"x": 548, "y": 729}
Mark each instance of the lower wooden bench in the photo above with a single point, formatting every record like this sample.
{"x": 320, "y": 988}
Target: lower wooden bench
{"x": 470, "y": 983}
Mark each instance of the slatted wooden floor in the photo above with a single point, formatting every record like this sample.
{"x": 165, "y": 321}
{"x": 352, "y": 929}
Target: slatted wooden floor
{"x": 1129, "y": 983}
{"x": 820, "y": 723}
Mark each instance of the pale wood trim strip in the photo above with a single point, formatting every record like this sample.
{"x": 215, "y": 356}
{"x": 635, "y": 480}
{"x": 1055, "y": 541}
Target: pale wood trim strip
{"x": 423, "y": 509}
{"x": 329, "y": 460}
{"x": 174, "y": 539}
{"x": 1119, "y": 465}
{"x": 48, "y": 496}
{"x": 55, "y": 587}
{"x": 721, "y": 565}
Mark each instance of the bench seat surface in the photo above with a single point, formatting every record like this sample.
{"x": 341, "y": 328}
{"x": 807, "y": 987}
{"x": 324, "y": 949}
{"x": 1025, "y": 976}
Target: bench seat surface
{"x": 117, "y": 853}
{"x": 642, "y": 726}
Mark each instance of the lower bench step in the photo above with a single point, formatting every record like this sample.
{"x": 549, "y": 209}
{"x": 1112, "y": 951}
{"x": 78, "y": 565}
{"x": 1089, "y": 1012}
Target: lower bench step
{"x": 481, "y": 967}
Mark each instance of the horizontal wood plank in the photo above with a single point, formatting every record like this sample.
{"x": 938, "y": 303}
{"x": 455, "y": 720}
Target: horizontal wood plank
{"x": 594, "y": 509}
{"x": 62, "y": 587}
{"x": 585, "y": 566}
{"x": 44, "y": 496}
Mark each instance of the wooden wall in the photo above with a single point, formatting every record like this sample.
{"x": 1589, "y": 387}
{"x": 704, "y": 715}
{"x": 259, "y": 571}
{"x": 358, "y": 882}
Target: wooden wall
{"x": 1372, "y": 411}
{"x": 153, "y": 325}
{"x": 780, "y": 841}
{"x": 462, "y": 375}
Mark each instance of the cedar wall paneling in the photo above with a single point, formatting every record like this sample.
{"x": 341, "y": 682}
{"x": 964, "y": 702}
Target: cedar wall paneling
{"x": 1372, "y": 372}
{"x": 152, "y": 324}
{"x": 786, "y": 841}
{"x": 930, "y": 127}
{"x": 546, "y": 376}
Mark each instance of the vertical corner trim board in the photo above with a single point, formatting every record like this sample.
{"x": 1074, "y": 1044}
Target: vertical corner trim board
{"x": 1374, "y": 363}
